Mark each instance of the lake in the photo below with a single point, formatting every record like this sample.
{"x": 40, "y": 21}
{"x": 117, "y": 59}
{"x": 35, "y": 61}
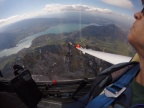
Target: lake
{"x": 26, "y": 43}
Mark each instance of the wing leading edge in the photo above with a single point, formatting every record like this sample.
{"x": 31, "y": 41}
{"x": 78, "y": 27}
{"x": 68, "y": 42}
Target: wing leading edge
{"x": 109, "y": 57}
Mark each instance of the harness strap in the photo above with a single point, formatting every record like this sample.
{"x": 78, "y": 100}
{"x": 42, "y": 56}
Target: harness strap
{"x": 114, "y": 91}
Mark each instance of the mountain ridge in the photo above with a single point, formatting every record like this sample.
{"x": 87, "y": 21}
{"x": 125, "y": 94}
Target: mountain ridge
{"x": 110, "y": 30}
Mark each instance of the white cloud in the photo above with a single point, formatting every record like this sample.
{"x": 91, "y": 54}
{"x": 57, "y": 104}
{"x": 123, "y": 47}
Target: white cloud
{"x": 19, "y": 17}
{"x": 84, "y": 8}
{"x": 58, "y": 8}
{"x": 76, "y": 7}
{"x": 16, "y": 18}
{"x": 53, "y": 8}
{"x": 10, "y": 18}
{"x": 120, "y": 3}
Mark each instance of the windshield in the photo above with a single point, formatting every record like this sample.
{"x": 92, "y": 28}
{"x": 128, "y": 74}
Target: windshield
{"x": 41, "y": 35}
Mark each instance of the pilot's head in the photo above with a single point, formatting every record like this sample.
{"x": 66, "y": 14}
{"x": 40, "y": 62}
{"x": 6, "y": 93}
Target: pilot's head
{"x": 136, "y": 35}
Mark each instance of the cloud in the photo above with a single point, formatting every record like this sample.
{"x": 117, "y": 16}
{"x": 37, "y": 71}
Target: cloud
{"x": 10, "y": 18}
{"x": 54, "y": 8}
{"x": 60, "y": 8}
{"x": 83, "y": 8}
{"x": 120, "y": 3}
{"x": 16, "y": 18}
{"x": 75, "y": 7}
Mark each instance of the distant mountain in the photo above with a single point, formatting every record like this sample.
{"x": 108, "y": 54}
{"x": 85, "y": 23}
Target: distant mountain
{"x": 100, "y": 32}
{"x": 107, "y": 37}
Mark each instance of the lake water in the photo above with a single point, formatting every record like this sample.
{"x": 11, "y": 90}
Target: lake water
{"x": 26, "y": 43}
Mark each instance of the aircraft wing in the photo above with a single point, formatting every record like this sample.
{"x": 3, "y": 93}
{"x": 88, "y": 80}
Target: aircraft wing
{"x": 109, "y": 57}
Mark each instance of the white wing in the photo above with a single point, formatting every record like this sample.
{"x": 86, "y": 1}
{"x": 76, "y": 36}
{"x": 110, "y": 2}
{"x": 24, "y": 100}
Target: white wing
{"x": 109, "y": 57}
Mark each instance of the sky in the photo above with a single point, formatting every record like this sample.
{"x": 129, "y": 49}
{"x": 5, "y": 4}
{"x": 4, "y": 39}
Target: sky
{"x": 18, "y": 9}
